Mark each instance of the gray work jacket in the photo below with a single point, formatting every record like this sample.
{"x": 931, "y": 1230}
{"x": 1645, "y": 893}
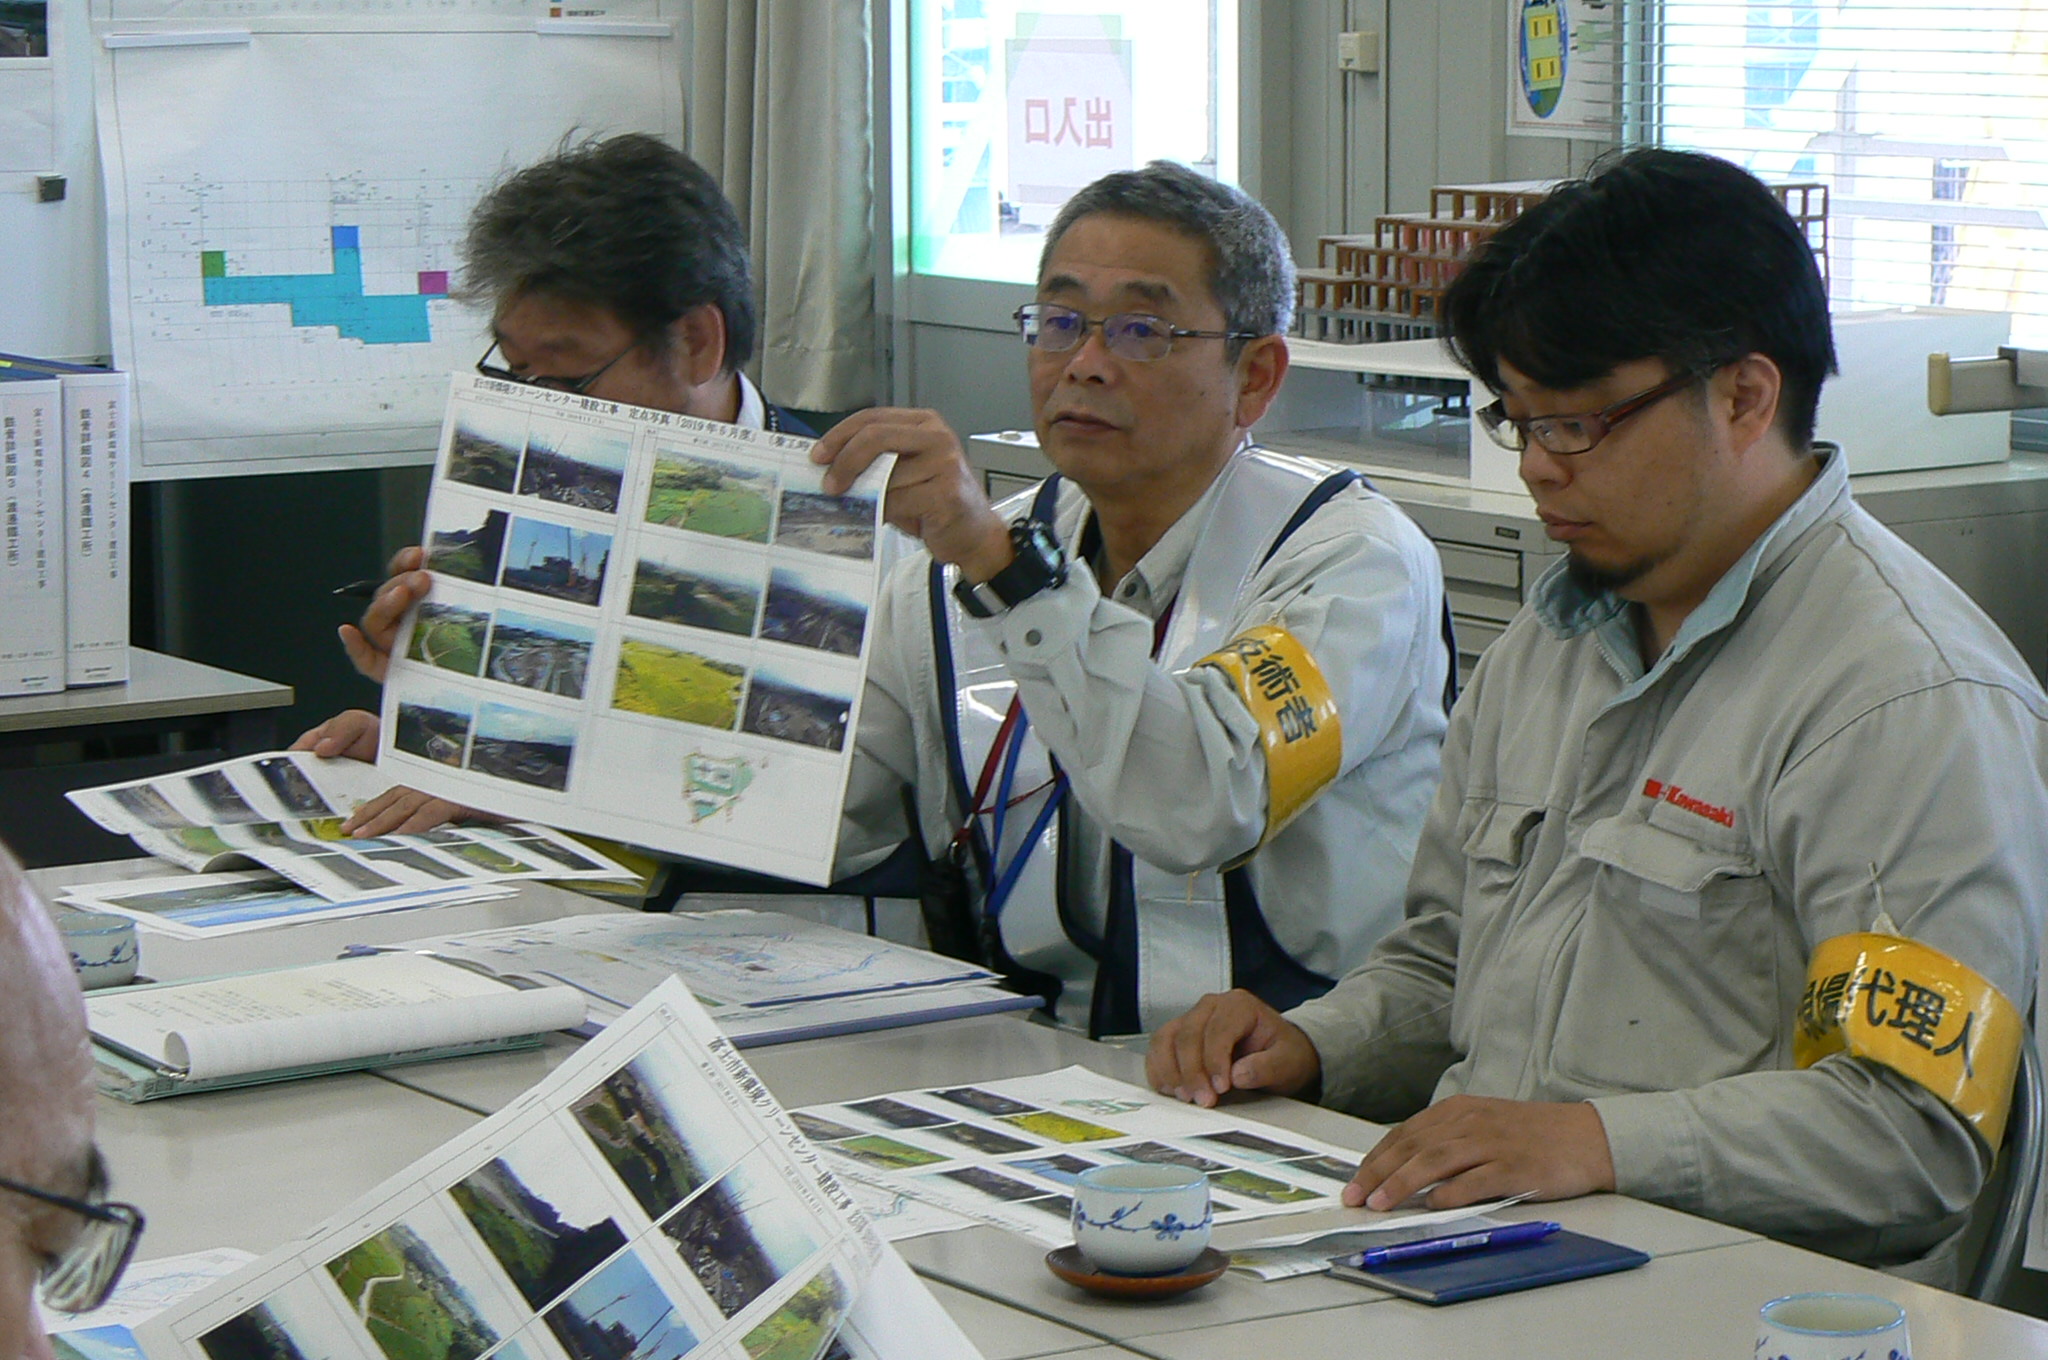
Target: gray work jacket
{"x": 1847, "y": 733}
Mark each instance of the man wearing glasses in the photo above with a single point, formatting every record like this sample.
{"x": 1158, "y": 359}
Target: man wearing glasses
{"x": 1174, "y": 718}
{"x": 1176, "y": 713}
{"x": 1731, "y": 895}
{"x": 615, "y": 267}
{"x": 58, "y": 1234}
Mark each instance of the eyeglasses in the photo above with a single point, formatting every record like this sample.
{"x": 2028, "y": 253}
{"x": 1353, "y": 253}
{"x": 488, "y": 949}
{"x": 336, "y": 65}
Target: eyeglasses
{"x": 1573, "y": 434}
{"x": 1128, "y": 335}
{"x": 80, "y": 1279}
{"x": 575, "y": 386}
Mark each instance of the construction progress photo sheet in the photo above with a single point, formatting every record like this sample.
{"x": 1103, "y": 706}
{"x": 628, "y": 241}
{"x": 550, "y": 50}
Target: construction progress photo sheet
{"x": 642, "y": 626}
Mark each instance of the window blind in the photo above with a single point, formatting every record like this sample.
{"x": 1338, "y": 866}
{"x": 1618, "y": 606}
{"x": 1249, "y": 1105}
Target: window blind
{"x": 1926, "y": 123}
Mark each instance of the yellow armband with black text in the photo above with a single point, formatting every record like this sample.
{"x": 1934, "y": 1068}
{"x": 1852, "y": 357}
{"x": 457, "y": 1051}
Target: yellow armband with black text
{"x": 1910, "y": 1007}
{"x": 1297, "y": 716}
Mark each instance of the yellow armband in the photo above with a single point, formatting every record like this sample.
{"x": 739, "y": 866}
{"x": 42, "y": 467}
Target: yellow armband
{"x": 1914, "y": 1009}
{"x": 1298, "y": 725}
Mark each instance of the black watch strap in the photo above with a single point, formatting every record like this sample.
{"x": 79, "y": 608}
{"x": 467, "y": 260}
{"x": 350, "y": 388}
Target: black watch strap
{"x": 1037, "y": 563}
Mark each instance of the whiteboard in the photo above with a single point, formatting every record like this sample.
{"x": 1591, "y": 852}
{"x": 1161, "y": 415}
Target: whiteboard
{"x": 286, "y": 195}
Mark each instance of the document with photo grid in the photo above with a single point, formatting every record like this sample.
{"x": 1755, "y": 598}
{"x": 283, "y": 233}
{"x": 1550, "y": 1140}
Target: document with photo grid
{"x": 648, "y": 1200}
{"x": 643, "y": 626}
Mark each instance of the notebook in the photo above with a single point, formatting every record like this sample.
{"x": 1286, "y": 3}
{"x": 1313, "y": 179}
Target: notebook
{"x": 1503, "y": 1270}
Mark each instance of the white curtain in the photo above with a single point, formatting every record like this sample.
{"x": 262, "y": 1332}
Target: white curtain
{"x": 780, "y": 114}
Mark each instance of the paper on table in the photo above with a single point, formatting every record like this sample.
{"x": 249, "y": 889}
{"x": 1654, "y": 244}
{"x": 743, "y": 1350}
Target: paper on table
{"x": 653, "y": 1166}
{"x": 898, "y": 1317}
{"x": 897, "y": 1216}
{"x": 149, "y": 1287}
{"x": 259, "y": 1022}
{"x": 1007, "y": 1152}
{"x": 201, "y": 906}
{"x": 734, "y": 958}
{"x": 1389, "y": 1221}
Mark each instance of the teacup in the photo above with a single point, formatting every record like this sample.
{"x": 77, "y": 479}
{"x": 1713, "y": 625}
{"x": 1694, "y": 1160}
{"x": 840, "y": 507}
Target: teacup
{"x": 1833, "y": 1327}
{"x": 1141, "y": 1219}
{"x": 103, "y": 948}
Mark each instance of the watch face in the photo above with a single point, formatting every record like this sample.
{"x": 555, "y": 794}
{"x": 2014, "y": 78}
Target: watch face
{"x": 1046, "y": 542}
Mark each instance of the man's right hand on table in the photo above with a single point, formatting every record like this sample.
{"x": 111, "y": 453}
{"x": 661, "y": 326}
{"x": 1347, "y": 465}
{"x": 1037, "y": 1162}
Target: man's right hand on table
{"x": 1231, "y": 1041}
{"x": 368, "y": 642}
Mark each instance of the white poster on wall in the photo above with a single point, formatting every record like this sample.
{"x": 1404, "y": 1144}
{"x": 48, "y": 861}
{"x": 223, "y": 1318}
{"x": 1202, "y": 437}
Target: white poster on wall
{"x": 1070, "y": 107}
{"x": 286, "y": 202}
{"x": 1563, "y": 69}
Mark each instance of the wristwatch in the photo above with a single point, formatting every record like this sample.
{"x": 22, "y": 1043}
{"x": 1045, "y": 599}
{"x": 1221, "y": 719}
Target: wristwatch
{"x": 1040, "y": 563}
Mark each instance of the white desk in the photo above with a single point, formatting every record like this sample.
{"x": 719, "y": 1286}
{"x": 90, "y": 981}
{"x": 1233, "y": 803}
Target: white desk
{"x": 1697, "y": 1304}
{"x": 254, "y": 1168}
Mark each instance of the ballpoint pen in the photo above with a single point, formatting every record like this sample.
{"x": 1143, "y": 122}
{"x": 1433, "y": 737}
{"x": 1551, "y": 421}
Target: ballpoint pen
{"x": 1513, "y": 1234}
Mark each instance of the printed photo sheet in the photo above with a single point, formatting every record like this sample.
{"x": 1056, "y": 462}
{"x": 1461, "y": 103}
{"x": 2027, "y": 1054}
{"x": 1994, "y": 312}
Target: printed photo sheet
{"x": 649, "y": 1200}
{"x": 284, "y": 810}
{"x": 732, "y": 960}
{"x": 642, "y": 626}
{"x": 1007, "y": 1152}
{"x": 201, "y": 906}
{"x": 146, "y": 1289}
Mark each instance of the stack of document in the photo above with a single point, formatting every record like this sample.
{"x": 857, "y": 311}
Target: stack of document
{"x": 765, "y": 977}
{"x": 277, "y": 1024}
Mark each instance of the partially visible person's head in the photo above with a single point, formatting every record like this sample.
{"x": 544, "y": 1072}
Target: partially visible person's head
{"x": 46, "y": 1099}
{"x": 1166, "y": 243}
{"x": 617, "y": 256}
{"x": 1657, "y": 254}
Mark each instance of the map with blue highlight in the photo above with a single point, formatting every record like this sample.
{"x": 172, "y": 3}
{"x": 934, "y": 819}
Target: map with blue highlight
{"x": 334, "y": 299}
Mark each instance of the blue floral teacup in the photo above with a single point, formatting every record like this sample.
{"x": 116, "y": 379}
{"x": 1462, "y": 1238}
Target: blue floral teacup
{"x": 1833, "y": 1327}
{"x": 1141, "y": 1220}
{"x": 102, "y": 945}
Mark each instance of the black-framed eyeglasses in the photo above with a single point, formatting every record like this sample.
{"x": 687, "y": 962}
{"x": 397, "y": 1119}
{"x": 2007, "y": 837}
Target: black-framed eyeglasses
{"x": 1573, "y": 434}
{"x": 575, "y": 386}
{"x": 79, "y": 1280}
{"x": 1128, "y": 335}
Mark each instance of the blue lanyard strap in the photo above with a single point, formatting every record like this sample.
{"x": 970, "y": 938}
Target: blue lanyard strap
{"x": 1007, "y": 875}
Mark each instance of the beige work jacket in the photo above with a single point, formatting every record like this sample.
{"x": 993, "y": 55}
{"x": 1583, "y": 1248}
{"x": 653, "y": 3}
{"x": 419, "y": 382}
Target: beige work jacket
{"x": 1846, "y": 733}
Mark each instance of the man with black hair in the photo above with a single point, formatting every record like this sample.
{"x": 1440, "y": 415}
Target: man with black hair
{"x": 1731, "y": 894}
{"x": 615, "y": 268}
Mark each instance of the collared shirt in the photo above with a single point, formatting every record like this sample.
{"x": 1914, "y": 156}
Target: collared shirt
{"x": 1626, "y": 871}
{"x": 1170, "y": 762}
{"x": 753, "y": 406}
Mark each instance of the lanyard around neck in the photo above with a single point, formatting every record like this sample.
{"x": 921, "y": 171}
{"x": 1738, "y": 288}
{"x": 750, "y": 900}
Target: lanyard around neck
{"x": 1004, "y": 752}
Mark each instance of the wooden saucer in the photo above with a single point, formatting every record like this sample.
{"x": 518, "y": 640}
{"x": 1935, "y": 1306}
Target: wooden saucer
{"x": 1070, "y": 1265}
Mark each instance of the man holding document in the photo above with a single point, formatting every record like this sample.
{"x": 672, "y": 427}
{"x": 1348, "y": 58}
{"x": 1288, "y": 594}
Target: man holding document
{"x": 1169, "y": 723}
{"x": 1731, "y": 895}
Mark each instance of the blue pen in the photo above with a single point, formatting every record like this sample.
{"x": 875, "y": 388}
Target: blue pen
{"x": 1513, "y": 1234}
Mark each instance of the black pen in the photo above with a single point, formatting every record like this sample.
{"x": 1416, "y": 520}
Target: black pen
{"x": 358, "y": 590}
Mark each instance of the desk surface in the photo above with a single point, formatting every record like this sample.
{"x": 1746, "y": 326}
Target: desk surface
{"x": 255, "y": 1167}
{"x": 158, "y": 687}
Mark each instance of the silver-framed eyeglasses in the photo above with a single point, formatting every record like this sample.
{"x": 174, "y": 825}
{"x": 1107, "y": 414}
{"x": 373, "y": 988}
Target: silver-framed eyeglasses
{"x": 80, "y": 1278}
{"x": 1141, "y": 336}
{"x": 574, "y": 386}
{"x": 1573, "y": 434}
